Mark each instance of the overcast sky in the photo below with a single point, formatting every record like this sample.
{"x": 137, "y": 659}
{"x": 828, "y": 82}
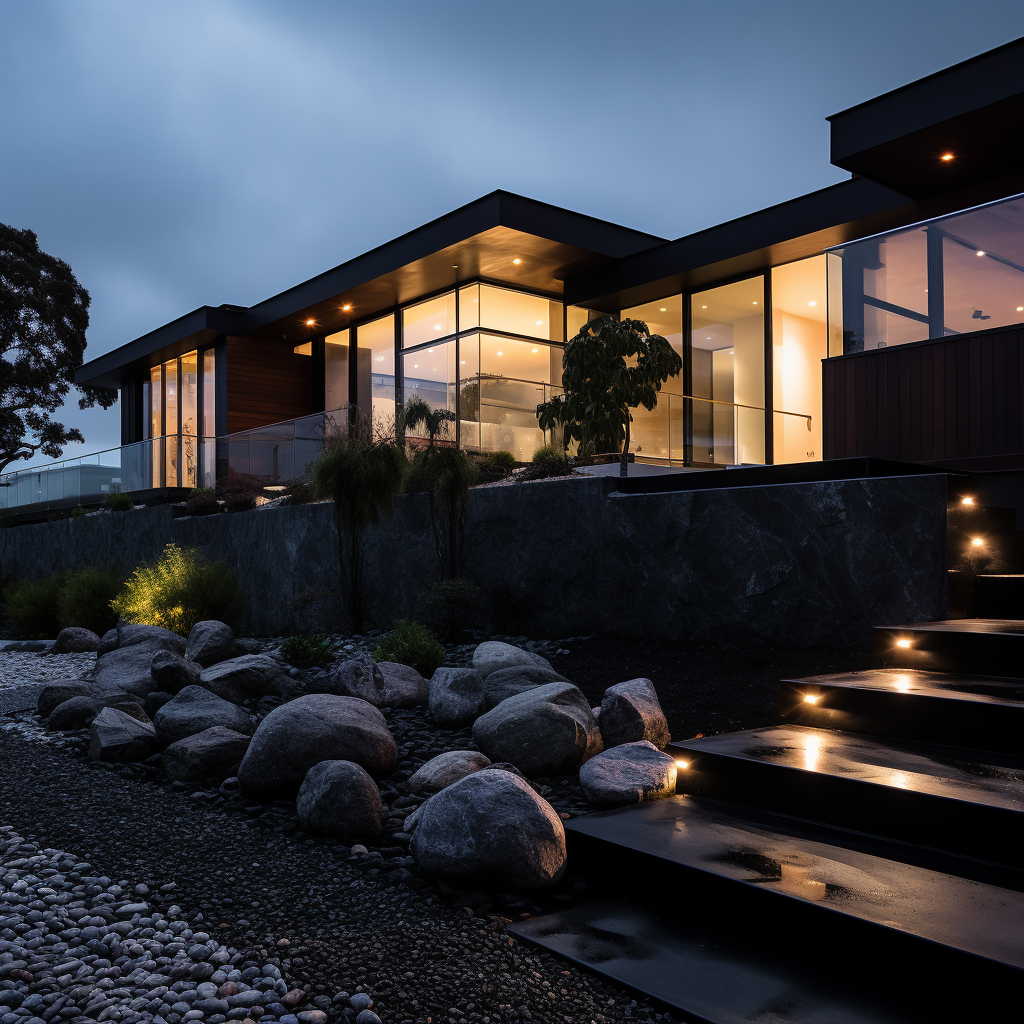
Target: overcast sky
{"x": 186, "y": 153}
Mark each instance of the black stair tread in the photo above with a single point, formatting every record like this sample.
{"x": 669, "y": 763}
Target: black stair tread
{"x": 1007, "y": 627}
{"x": 722, "y": 840}
{"x": 918, "y": 682}
{"x": 713, "y": 973}
{"x": 954, "y": 773}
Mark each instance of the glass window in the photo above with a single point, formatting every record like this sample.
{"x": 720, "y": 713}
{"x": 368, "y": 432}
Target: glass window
{"x": 209, "y": 394}
{"x": 156, "y": 392}
{"x": 171, "y": 422}
{"x": 576, "y": 317}
{"x": 428, "y": 321}
{"x": 517, "y": 313}
{"x": 190, "y": 393}
{"x": 336, "y": 371}
{"x": 799, "y": 344}
{"x": 430, "y": 375}
{"x": 469, "y": 391}
{"x": 376, "y": 372}
{"x": 469, "y": 306}
{"x": 727, "y": 355}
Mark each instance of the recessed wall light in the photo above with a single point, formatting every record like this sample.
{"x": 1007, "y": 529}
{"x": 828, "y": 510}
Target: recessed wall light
{"x": 946, "y": 157}
{"x": 516, "y": 262}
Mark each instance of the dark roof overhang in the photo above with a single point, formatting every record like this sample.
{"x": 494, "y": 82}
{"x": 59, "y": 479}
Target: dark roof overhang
{"x": 972, "y": 111}
{"x": 477, "y": 240}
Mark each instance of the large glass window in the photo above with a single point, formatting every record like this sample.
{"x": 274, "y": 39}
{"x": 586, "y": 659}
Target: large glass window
{"x": 727, "y": 366}
{"x": 171, "y": 423}
{"x": 375, "y": 367}
{"x": 799, "y": 344}
{"x": 189, "y": 417}
{"x": 336, "y": 371}
{"x": 209, "y": 394}
{"x": 502, "y": 309}
{"x": 428, "y": 321}
{"x": 430, "y": 375}
{"x": 951, "y": 275}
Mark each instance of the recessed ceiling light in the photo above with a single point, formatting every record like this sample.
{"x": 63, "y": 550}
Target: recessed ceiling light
{"x": 1020, "y": 309}
{"x": 346, "y": 307}
{"x": 539, "y": 322}
{"x": 980, "y": 252}
{"x": 663, "y": 310}
{"x": 755, "y": 303}
{"x": 430, "y": 350}
{"x": 499, "y": 353}
{"x": 415, "y": 366}
{"x": 946, "y": 157}
{"x": 703, "y": 307}
{"x": 516, "y": 261}
{"x": 462, "y": 362}
{"x": 309, "y": 323}
{"x": 437, "y": 327}
{"x": 812, "y": 303}
{"x": 534, "y": 349}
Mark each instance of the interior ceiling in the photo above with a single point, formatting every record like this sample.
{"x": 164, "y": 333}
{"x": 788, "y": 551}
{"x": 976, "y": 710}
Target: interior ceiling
{"x": 797, "y": 285}
{"x": 543, "y": 266}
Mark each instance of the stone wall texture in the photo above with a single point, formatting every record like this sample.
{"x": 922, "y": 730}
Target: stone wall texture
{"x": 787, "y": 564}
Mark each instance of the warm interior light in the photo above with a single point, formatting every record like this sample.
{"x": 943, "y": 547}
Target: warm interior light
{"x": 903, "y": 643}
{"x": 517, "y": 261}
{"x": 539, "y": 322}
{"x": 966, "y": 501}
{"x": 703, "y": 307}
{"x": 947, "y": 157}
{"x": 662, "y": 309}
{"x": 347, "y": 307}
{"x": 811, "y": 698}
{"x": 755, "y": 303}
{"x": 499, "y": 353}
{"x": 980, "y": 252}
{"x": 534, "y": 349}
{"x": 430, "y": 350}
{"x": 682, "y": 764}
{"x": 274, "y": 487}
{"x": 812, "y": 303}
{"x": 309, "y": 323}
{"x": 976, "y": 542}
{"x": 1020, "y": 309}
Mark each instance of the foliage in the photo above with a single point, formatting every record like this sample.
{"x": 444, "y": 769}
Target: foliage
{"x": 299, "y": 494}
{"x": 44, "y": 313}
{"x": 498, "y": 462}
{"x": 411, "y": 643}
{"x": 183, "y": 587}
{"x": 244, "y": 484}
{"x": 307, "y": 650}
{"x": 196, "y": 491}
{"x": 202, "y": 504}
{"x": 118, "y": 502}
{"x": 548, "y": 461}
{"x": 77, "y": 512}
{"x": 33, "y": 606}
{"x": 85, "y": 598}
{"x": 362, "y": 477}
{"x": 610, "y": 367}
{"x": 446, "y": 475}
{"x": 240, "y": 503}
{"x": 451, "y": 606}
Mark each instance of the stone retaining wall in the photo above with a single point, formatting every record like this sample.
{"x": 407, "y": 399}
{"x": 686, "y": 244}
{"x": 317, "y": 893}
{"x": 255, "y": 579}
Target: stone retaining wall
{"x": 787, "y": 564}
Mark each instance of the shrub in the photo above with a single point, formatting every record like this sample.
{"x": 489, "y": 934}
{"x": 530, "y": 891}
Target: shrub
{"x": 498, "y": 462}
{"x": 307, "y": 650}
{"x": 182, "y": 588}
{"x": 241, "y": 483}
{"x": 77, "y": 512}
{"x": 451, "y": 606}
{"x": 85, "y": 599}
{"x": 196, "y": 491}
{"x": 240, "y": 503}
{"x": 204, "y": 504}
{"x": 411, "y": 643}
{"x": 299, "y": 494}
{"x": 119, "y": 502}
{"x": 33, "y": 606}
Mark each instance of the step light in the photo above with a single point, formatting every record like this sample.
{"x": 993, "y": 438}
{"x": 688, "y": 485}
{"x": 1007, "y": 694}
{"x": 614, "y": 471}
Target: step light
{"x": 966, "y": 501}
{"x": 682, "y": 764}
{"x": 904, "y": 643}
{"x": 977, "y": 542}
{"x": 811, "y": 698}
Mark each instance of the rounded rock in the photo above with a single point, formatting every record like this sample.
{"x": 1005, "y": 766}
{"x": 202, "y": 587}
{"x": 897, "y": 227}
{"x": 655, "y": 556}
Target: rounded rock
{"x": 339, "y": 799}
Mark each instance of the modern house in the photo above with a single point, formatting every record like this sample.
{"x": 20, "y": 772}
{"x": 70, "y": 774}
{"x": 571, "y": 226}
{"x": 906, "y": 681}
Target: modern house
{"x": 882, "y": 316}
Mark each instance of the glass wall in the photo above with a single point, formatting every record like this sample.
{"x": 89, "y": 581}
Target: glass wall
{"x": 799, "y": 344}
{"x": 429, "y": 373}
{"x": 946, "y": 276}
{"x": 336, "y": 370}
{"x": 375, "y": 368}
{"x": 209, "y": 394}
{"x": 171, "y": 423}
{"x": 501, "y": 309}
{"x": 428, "y": 321}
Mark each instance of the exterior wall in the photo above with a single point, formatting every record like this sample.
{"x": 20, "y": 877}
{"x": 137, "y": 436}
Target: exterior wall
{"x": 951, "y": 398}
{"x": 789, "y": 564}
{"x": 266, "y": 383}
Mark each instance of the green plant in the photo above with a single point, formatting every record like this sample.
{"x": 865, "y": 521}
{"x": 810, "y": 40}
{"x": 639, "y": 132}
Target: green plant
{"x": 610, "y": 367}
{"x": 307, "y": 650}
{"x": 33, "y": 606}
{"x": 498, "y": 462}
{"x": 77, "y": 512}
{"x": 240, "y": 503}
{"x": 182, "y": 588}
{"x": 300, "y": 494}
{"x": 362, "y": 477}
{"x": 204, "y": 504}
{"x": 548, "y": 461}
{"x": 118, "y": 502}
{"x": 196, "y": 491}
{"x": 411, "y": 643}
{"x": 451, "y": 606}
{"x": 85, "y": 598}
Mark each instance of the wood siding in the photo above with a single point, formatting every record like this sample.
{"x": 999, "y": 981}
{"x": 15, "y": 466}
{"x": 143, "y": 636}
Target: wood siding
{"x": 266, "y": 383}
{"x": 952, "y": 398}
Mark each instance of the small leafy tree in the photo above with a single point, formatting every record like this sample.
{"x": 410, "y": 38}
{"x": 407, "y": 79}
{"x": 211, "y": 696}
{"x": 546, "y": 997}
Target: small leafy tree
{"x": 44, "y": 313}
{"x": 446, "y": 474}
{"x": 362, "y": 477}
{"x": 609, "y": 368}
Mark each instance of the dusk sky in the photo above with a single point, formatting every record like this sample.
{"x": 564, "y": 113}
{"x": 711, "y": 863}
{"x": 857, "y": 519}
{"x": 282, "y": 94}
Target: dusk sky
{"x": 179, "y": 154}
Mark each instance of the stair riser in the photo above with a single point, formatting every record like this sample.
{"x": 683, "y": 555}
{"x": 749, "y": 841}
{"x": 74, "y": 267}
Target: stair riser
{"x": 906, "y": 716}
{"x": 973, "y": 830}
{"x": 991, "y": 654}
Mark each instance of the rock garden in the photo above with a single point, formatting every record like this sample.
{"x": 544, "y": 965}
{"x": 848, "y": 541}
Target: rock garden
{"x": 438, "y": 798}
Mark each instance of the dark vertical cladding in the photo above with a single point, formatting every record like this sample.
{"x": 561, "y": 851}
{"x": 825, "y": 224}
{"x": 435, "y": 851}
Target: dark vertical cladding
{"x": 267, "y": 382}
{"x": 952, "y": 398}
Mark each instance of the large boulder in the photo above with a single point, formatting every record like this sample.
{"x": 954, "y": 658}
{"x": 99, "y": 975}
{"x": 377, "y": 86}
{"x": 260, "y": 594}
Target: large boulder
{"x": 456, "y": 696}
{"x": 355, "y": 677}
{"x": 492, "y": 830}
{"x": 507, "y": 682}
{"x": 55, "y": 694}
{"x": 75, "y": 640}
{"x": 630, "y": 712}
{"x": 210, "y": 641}
{"x": 403, "y": 686}
{"x": 630, "y": 773}
{"x": 447, "y": 768}
{"x": 108, "y": 642}
{"x": 215, "y": 752}
{"x": 131, "y": 633}
{"x": 117, "y": 736}
{"x": 493, "y": 655}
{"x": 240, "y": 679}
{"x": 549, "y": 730}
{"x": 79, "y": 712}
{"x": 171, "y": 672}
{"x": 340, "y": 800}
{"x": 194, "y": 710}
{"x": 308, "y": 730}
{"x": 128, "y": 668}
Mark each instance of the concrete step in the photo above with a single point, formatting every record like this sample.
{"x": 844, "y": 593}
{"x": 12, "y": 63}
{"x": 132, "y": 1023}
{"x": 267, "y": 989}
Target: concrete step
{"x": 986, "y": 646}
{"x": 966, "y": 801}
{"x": 999, "y": 595}
{"x": 986, "y": 712}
